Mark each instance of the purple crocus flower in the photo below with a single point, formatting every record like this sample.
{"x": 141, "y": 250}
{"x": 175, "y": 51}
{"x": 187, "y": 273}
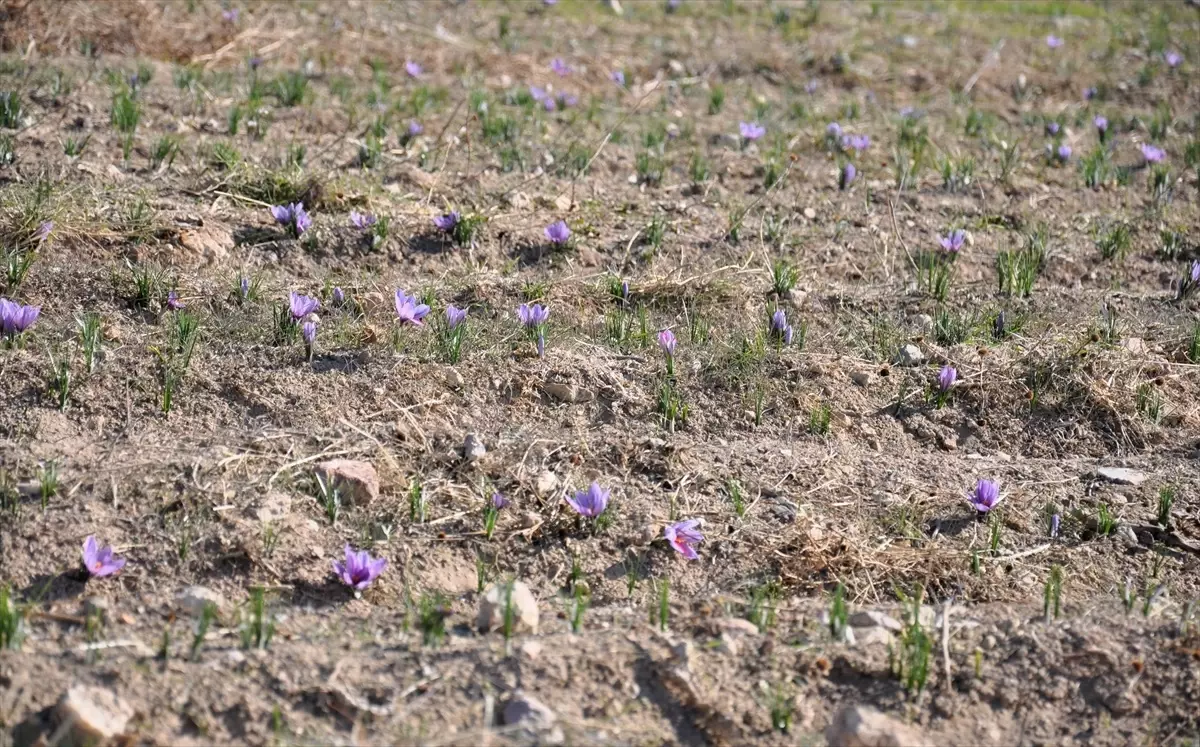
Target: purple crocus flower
{"x": 683, "y": 536}
{"x": 15, "y": 318}
{"x": 946, "y": 378}
{"x": 359, "y": 570}
{"x": 1101, "y": 124}
{"x": 499, "y": 501}
{"x": 780, "y": 329}
{"x": 447, "y": 222}
{"x": 339, "y": 296}
{"x": 1063, "y": 153}
{"x": 538, "y": 94}
{"x": 1152, "y": 153}
{"x": 618, "y": 77}
{"x": 293, "y": 216}
{"x": 667, "y": 341}
{"x": 558, "y": 232}
{"x": 43, "y": 231}
{"x": 567, "y": 100}
{"x": 410, "y": 309}
{"x": 591, "y": 502}
{"x": 301, "y": 305}
{"x": 751, "y": 131}
{"x": 244, "y": 287}
{"x": 812, "y": 86}
{"x": 308, "y": 332}
{"x": 100, "y": 561}
{"x": 173, "y": 302}
{"x": 953, "y": 241}
{"x": 560, "y": 67}
{"x": 1090, "y": 92}
{"x": 857, "y": 143}
{"x": 533, "y": 315}
{"x": 833, "y": 130}
{"x": 455, "y": 316}
{"x": 1053, "y": 41}
{"x": 673, "y": 5}
{"x": 413, "y": 69}
{"x": 230, "y": 15}
{"x": 1055, "y": 523}
{"x": 847, "y": 175}
{"x": 985, "y": 496}
{"x": 361, "y": 221}
{"x": 1173, "y": 58}
{"x": 1196, "y": 271}
{"x": 1053, "y": 128}
{"x": 255, "y": 62}
{"x": 541, "y": 344}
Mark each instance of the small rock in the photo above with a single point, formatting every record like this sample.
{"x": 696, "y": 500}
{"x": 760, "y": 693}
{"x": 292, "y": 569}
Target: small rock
{"x": 589, "y": 257}
{"x": 863, "y": 726}
{"x": 948, "y": 443}
{"x": 1126, "y": 536}
{"x": 563, "y": 202}
{"x": 532, "y": 648}
{"x": 862, "y": 378}
{"x": 1135, "y": 345}
{"x": 649, "y": 533}
{"x": 473, "y": 448}
{"x": 873, "y": 619}
{"x": 534, "y": 717}
{"x": 208, "y": 244}
{"x": 357, "y": 482}
{"x": 524, "y": 608}
{"x": 923, "y": 323}
{"x": 567, "y": 392}
{"x": 531, "y": 519}
{"x": 872, "y": 636}
{"x": 547, "y": 483}
{"x": 453, "y": 379}
{"x": 194, "y": 599}
{"x": 810, "y": 213}
{"x": 909, "y": 355}
{"x": 91, "y": 715}
{"x": 1121, "y": 475}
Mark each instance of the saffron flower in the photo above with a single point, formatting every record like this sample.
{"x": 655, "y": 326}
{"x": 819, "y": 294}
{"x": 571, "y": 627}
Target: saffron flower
{"x": 1173, "y": 58}
{"x": 558, "y": 232}
{"x": 410, "y": 309}
{"x": 534, "y": 315}
{"x": 339, "y": 296}
{"x": 1053, "y": 41}
{"x": 953, "y": 241}
{"x": 447, "y": 222}
{"x": 985, "y": 496}
{"x": 667, "y": 341}
{"x": 538, "y": 94}
{"x": 308, "y": 331}
{"x": 455, "y": 316}
{"x": 1196, "y": 271}
{"x": 1101, "y": 123}
{"x": 1090, "y": 92}
{"x": 1053, "y": 128}
{"x": 15, "y": 318}
{"x": 780, "y": 330}
{"x": 244, "y": 287}
{"x": 683, "y": 536}
{"x": 359, "y": 570}
{"x": 230, "y": 15}
{"x": 1055, "y": 523}
{"x": 293, "y": 216}
{"x": 415, "y": 128}
{"x": 100, "y": 561}
{"x": 591, "y": 502}
{"x": 301, "y": 305}
{"x": 499, "y": 501}
{"x": 946, "y": 378}
{"x": 812, "y": 86}
{"x": 833, "y": 130}
{"x": 847, "y": 175}
{"x": 560, "y": 67}
{"x": 1152, "y": 153}
{"x": 751, "y": 131}
{"x": 857, "y": 143}
{"x": 618, "y": 77}
{"x": 361, "y": 221}
{"x": 173, "y": 302}
{"x": 413, "y": 69}
{"x": 43, "y": 231}
{"x": 1063, "y": 153}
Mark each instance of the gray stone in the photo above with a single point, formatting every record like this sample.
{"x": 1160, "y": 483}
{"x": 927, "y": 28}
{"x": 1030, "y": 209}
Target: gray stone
{"x": 194, "y": 599}
{"x": 862, "y": 378}
{"x": 88, "y": 715}
{"x": 873, "y": 619}
{"x": 356, "y": 482}
{"x": 909, "y": 355}
{"x": 536, "y": 719}
{"x": 524, "y": 608}
{"x": 1121, "y": 475}
{"x": 473, "y": 448}
{"x": 863, "y": 726}
{"x": 547, "y": 483}
{"x": 923, "y": 322}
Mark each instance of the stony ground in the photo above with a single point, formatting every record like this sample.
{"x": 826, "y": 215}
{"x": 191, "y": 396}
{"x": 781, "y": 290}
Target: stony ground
{"x": 844, "y": 588}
